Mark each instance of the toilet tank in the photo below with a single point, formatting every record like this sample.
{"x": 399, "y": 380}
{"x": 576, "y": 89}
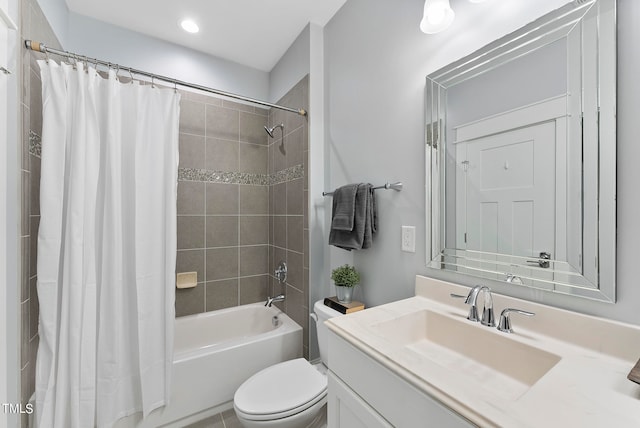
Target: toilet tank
{"x": 323, "y": 313}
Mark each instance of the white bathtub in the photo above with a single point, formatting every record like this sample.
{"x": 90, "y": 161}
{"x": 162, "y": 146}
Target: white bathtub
{"x": 214, "y": 353}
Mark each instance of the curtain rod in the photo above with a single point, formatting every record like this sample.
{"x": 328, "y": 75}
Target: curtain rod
{"x": 41, "y": 47}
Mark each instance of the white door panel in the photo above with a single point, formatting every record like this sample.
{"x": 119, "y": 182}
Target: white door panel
{"x": 510, "y": 192}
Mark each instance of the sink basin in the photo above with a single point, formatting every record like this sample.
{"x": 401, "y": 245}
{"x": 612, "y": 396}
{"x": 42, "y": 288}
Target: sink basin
{"x": 490, "y": 359}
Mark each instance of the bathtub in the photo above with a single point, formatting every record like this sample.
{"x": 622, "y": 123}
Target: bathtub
{"x": 214, "y": 353}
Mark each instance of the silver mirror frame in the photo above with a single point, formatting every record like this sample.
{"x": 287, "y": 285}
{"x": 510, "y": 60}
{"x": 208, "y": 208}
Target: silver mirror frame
{"x": 599, "y": 127}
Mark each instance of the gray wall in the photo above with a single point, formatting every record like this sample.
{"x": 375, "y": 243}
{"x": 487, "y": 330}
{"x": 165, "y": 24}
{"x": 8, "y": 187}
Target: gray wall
{"x": 291, "y": 68}
{"x": 375, "y": 61}
{"x": 537, "y": 76}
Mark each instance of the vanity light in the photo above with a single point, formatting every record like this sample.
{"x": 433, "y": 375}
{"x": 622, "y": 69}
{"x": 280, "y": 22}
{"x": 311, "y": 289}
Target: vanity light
{"x": 189, "y": 26}
{"x": 438, "y": 15}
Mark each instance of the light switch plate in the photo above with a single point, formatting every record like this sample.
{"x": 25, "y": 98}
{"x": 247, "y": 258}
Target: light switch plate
{"x": 409, "y": 239}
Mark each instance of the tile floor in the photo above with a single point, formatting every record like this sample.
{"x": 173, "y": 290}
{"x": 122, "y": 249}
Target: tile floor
{"x": 227, "y": 419}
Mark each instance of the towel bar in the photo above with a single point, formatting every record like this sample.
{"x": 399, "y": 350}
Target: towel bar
{"x": 395, "y": 186}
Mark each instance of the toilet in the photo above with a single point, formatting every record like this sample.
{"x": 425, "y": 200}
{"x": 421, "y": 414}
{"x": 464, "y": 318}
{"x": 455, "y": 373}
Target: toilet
{"x": 289, "y": 394}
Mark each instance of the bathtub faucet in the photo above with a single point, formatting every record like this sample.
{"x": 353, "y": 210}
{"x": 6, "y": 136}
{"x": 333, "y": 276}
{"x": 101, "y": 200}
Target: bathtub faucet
{"x": 270, "y": 300}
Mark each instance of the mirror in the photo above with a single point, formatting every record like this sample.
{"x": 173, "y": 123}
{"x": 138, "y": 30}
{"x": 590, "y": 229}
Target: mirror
{"x": 520, "y": 141}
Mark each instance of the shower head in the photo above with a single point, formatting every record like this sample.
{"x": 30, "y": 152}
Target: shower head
{"x": 270, "y": 130}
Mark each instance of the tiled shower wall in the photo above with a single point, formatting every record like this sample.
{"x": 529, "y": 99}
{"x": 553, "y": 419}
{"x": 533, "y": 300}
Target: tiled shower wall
{"x": 33, "y": 25}
{"x": 289, "y": 220}
{"x": 223, "y": 204}
{"x": 242, "y": 204}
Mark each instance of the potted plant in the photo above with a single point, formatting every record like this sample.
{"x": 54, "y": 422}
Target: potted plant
{"x": 345, "y": 277}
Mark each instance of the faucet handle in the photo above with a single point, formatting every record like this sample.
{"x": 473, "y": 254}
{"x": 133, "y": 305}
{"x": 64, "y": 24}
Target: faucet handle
{"x": 505, "y": 321}
{"x": 281, "y": 272}
{"x": 470, "y": 299}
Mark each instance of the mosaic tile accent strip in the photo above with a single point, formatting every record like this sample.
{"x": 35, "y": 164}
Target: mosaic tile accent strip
{"x": 207, "y": 176}
{"x": 35, "y": 144}
{"x": 286, "y": 175}
{"x": 204, "y": 175}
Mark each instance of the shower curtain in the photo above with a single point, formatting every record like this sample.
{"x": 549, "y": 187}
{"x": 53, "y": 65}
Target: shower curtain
{"x": 106, "y": 247}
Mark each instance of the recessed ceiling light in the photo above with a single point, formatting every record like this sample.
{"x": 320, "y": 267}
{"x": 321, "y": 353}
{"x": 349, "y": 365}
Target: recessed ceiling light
{"x": 189, "y": 26}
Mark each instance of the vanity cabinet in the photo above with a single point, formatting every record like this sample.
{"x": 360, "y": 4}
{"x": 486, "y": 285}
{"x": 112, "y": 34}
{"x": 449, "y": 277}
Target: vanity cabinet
{"x": 364, "y": 393}
{"x": 346, "y": 409}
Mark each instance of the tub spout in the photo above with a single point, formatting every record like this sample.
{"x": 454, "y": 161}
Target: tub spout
{"x": 271, "y": 300}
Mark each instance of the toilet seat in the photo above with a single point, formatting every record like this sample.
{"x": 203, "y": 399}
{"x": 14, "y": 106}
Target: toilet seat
{"x": 280, "y": 391}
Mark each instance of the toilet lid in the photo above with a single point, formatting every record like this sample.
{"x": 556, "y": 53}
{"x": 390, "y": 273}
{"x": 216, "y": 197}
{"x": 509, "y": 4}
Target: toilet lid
{"x": 280, "y": 388}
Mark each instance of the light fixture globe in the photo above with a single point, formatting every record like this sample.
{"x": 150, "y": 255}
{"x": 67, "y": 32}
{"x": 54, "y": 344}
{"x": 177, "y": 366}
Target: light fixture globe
{"x": 437, "y": 17}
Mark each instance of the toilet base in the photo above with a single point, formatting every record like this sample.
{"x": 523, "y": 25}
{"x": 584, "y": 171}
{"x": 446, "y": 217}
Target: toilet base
{"x": 313, "y": 417}
{"x": 321, "y": 420}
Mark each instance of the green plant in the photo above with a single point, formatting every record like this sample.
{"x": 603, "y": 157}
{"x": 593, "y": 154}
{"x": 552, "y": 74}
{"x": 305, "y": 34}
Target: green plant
{"x": 345, "y": 276}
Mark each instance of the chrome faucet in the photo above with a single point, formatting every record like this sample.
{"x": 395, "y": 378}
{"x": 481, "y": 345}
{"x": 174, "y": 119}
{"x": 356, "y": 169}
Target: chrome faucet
{"x": 271, "y": 300}
{"x": 281, "y": 272}
{"x": 505, "y": 321}
{"x": 488, "y": 318}
{"x": 514, "y": 279}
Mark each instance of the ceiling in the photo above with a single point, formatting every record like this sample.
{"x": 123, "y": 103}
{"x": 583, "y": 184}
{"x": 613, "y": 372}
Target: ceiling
{"x": 255, "y": 33}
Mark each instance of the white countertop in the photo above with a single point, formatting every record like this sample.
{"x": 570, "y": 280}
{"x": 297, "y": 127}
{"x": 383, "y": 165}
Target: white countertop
{"x": 587, "y": 387}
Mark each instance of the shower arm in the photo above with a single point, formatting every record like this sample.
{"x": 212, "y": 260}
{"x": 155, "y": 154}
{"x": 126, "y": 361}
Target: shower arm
{"x": 273, "y": 128}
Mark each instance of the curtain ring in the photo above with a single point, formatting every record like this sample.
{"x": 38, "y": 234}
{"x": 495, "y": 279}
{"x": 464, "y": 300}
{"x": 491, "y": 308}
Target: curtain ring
{"x": 117, "y": 71}
{"x": 175, "y": 86}
{"x": 46, "y": 56}
{"x": 152, "y": 79}
{"x": 131, "y": 75}
{"x": 86, "y": 64}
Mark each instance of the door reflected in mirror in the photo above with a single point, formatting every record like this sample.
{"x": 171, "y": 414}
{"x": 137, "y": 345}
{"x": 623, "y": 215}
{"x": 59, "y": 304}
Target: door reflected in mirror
{"x": 520, "y": 144}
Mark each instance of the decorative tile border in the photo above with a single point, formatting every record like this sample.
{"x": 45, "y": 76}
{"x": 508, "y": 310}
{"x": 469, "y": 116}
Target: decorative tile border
{"x": 207, "y": 176}
{"x": 35, "y": 144}
{"x": 286, "y": 175}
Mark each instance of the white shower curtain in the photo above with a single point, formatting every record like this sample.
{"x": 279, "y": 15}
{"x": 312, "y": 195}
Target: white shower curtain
{"x": 106, "y": 247}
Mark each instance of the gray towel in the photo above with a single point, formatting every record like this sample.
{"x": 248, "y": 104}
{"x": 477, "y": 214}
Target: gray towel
{"x": 365, "y": 222}
{"x": 371, "y": 219}
{"x": 344, "y": 205}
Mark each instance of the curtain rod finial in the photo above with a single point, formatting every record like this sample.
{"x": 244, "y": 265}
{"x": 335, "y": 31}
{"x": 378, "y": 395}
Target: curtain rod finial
{"x": 34, "y": 46}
